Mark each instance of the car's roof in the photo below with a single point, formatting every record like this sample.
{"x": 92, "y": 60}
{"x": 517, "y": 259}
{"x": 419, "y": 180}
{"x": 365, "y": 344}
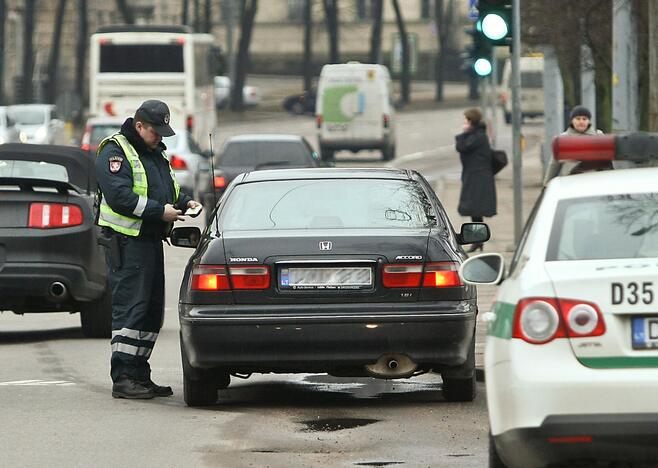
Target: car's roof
{"x": 263, "y": 137}
{"x": 616, "y": 181}
{"x": 326, "y": 173}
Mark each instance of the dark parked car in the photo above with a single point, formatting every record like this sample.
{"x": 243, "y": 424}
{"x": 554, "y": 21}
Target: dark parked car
{"x": 303, "y": 103}
{"x": 244, "y": 153}
{"x": 50, "y": 260}
{"x": 352, "y": 272}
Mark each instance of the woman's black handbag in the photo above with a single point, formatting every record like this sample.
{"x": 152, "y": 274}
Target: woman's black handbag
{"x": 498, "y": 160}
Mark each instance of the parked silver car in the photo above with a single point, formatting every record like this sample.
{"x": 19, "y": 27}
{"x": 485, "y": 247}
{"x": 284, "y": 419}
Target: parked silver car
{"x": 8, "y": 131}
{"x": 38, "y": 123}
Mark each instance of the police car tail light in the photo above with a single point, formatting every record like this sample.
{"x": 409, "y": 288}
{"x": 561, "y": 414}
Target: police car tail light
{"x": 250, "y": 277}
{"x": 537, "y": 321}
{"x": 584, "y": 147}
{"x": 177, "y": 162}
{"x": 582, "y": 318}
{"x": 441, "y": 275}
{"x": 210, "y": 278}
{"x": 402, "y": 276}
{"x": 54, "y": 215}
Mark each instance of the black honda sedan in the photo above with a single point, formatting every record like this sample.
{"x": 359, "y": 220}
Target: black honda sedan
{"x": 50, "y": 260}
{"x": 351, "y": 272}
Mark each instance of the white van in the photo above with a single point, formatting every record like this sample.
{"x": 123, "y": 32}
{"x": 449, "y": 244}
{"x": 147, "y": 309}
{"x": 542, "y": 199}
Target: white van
{"x": 532, "y": 88}
{"x": 354, "y": 109}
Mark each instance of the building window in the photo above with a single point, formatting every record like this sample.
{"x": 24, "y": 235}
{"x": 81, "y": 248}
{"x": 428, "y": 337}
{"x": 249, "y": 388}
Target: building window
{"x": 364, "y": 9}
{"x": 426, "y": 9}
{"x": 296, "y": 10}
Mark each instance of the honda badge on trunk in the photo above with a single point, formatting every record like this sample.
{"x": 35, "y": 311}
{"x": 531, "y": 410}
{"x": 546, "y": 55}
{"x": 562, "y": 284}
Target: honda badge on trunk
{"x": 326, "y": 245}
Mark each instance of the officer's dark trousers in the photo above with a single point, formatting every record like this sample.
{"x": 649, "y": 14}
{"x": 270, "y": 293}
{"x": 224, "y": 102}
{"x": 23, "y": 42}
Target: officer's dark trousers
{"x": 137, "y": 305}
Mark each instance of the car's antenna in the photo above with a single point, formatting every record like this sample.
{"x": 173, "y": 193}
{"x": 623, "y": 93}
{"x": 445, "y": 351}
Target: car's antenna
{"x": 212, "y": 181}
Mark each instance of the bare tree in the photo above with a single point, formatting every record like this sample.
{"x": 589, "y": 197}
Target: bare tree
{"x": 53, "y": 59}
{"x": 249, "y": 8}
{"x": 197, "y": 16}
{"x": 3, "y": 18}
{"x": 405, "y": 76}
{"x": 207, "y": 17}
{"x": 331, "y": 15}
{"x": 376, "y": 34}
{"x": 126, "y": 12}
{"x": 443, "y": 18}
{"x": 81, "y": 49}
{"x": 308, "y": 44}
{"x": 184, "y": 18}
{"x": 28, "y": 51}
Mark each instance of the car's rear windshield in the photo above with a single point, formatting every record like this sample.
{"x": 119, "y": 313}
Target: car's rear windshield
{"x": 33, "y": 170}
{"x": 98, "y": 132}
{"x": 327, "y": 204}
{"x": 265, "y": 154}
{"x": 141, "y": 58}
{"x": 605, "y": 227}
{"x": 532, "y": 79}
{"x": 28, "y": 116}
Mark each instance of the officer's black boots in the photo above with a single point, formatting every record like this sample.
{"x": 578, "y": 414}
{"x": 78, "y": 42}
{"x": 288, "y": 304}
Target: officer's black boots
{"x": 158, "y": 390}
{"x": 126, "y": 387}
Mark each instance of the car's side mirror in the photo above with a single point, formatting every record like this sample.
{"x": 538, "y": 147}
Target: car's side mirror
{"x": 186, "y": 236}
{"x": 483, "y": 269}
{"x": 473, "y": 233}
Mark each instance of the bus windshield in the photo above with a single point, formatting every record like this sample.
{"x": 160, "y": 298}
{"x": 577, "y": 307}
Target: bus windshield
{"x": 141, "y": 58}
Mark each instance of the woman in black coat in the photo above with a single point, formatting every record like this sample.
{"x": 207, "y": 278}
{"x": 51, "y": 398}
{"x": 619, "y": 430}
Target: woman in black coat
{"x": 478, "y": 195}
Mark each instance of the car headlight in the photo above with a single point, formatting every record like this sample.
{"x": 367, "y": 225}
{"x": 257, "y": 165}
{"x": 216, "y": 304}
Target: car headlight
{"x": 22, "y": 136}
{"x": 41, "y": 134}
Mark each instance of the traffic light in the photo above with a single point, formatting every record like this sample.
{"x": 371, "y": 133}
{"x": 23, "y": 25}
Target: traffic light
{"x": 480, "y": 54}
{"x": 495, "y": 21}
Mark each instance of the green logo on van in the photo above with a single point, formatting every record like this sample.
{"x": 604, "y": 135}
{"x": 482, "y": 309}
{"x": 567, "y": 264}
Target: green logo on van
{"x": 333, "y": 103}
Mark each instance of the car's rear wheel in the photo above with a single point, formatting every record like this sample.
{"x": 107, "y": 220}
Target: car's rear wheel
{"x": 200, "y": 386}
{"x": 96, "y": 316}
{"x": 494, "y": 459}
{"x": 460, "y": 388}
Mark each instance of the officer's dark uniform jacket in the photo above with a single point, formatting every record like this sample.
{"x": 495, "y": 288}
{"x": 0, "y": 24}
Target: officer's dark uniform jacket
{"x": 136, "y": 275}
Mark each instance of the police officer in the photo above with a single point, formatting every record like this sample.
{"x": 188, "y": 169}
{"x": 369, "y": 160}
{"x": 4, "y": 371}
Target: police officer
{"x": 139, "y": 201}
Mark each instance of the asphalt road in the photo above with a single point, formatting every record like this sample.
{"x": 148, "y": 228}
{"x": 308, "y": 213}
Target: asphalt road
{"x": 56, "y": 409}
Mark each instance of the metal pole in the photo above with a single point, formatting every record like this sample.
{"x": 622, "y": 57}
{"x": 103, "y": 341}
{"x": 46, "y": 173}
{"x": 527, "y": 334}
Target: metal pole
{"x": 554, "y": 102}
{"x": 493, "y": 79}
{"x": 516, "y": 120}
{"x": 230, "y": 16}
{"x": 587, "y": 85}
{"x": 624, "y": 67}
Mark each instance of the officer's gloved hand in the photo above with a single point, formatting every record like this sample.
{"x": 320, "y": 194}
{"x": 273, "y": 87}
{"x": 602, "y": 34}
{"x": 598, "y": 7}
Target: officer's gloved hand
{"x": 171, "y": 214}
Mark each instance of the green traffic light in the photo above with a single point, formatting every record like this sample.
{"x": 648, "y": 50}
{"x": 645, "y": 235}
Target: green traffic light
{"x": 494, "y": 26}
{"x": 482, "y": 66}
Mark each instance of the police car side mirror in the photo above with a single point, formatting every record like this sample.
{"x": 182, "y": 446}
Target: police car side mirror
{"x": 472, "y": 233}
{"x": 483, "y": 269}
{"x": 186, "y": 237}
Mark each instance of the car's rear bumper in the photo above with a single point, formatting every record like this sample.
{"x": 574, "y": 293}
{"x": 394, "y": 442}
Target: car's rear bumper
{"x": 25, "y": 282}
{"x": 576, "y": 439}
{"x": 321, "y": 338}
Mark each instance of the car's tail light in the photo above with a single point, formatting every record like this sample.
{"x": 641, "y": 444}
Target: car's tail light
{"x": 250, "y": 277}
{"x": 402, "y": 276}
{"x": 54, "y": 215}
{"x": 177, "y": 163}
{"x": 189, "y": 123}
{"x": 223, "y": 278}
{"x": 210, "y": 278}
{"x": 539, "y": 320}
{"x": 441, "y": 275}
{"x": 219, "y": 181}
{"x": 318, "y": 120}
{"x": 86, "y": 139}
{"x": 387, "y": 119}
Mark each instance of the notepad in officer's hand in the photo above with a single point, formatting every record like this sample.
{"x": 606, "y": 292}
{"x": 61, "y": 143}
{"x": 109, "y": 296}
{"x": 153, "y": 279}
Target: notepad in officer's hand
{"x": 194, "y": 212}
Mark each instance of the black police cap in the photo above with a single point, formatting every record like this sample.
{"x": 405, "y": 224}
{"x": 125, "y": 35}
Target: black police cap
{"x": 155, "y": 113}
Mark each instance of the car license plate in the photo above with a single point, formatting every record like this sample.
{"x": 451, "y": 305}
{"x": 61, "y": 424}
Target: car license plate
{"x": 326, "y": 278}
{"x": 645, "y": 332}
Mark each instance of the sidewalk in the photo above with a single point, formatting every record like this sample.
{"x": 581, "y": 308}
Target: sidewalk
{"x": 502, "y": 225}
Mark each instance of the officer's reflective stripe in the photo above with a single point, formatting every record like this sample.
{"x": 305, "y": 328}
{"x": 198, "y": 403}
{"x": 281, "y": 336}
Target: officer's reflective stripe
{"x": 135, "y": 334}
{"x": 130, "y": 349}
{"x": 141, "y": 204}
{"x": 113, "y": 218}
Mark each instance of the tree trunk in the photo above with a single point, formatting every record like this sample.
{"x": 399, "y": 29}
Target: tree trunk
{"x": 197, "y": 16}
{"x": 308, "y": 44}
{"x": 126, "y": 12}
{"x": 376, "y": 34}
{"x": 3, "y": 18}
{"x": 53, "y": 60}
{"x": 331, "y": 14}
{"x": 184, "y": 18}
{"x": 443, "y": 20}
{"x": 28, "y": 51}
{"x": 207, "y": 19}
{"x": 81, "y": 53}
{"x": 405, "y": 77}
{"x": 242, "y": 59}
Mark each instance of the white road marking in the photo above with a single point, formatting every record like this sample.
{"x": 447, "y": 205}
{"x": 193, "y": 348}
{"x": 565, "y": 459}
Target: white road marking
{"x": 39, "y": 383}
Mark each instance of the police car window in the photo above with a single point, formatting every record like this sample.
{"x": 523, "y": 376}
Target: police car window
{"x": 327, "y": 204}
{"x": 33, "y": 170}
{"x": 259, "y": 153}
{"x": 605, "y": 227}
{"x": 524, "y": 235}
{"x": 141, "y": 58}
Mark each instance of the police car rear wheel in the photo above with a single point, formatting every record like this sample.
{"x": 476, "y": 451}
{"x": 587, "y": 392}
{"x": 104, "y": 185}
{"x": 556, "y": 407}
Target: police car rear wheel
{"x": 96, "y": 316}
{"x": 494, "y": 459}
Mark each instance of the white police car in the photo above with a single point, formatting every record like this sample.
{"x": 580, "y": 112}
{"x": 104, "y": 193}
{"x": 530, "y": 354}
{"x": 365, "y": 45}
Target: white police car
{"x": 571, "y": 357}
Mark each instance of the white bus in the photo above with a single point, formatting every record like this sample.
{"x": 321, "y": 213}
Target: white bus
{"x": 130, "y": 64}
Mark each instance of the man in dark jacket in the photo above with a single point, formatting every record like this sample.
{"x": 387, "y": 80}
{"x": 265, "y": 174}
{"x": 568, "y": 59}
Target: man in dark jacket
{"x": 140, "y": 199}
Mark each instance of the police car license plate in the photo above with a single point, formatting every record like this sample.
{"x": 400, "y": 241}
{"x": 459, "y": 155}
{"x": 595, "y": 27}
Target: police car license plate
{"x": 326, "y": 278}
{"x": 645, "y": 332}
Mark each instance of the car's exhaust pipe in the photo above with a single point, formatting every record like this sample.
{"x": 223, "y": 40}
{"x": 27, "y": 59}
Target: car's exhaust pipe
{"x": 57, "y": 290}
{"x": 392, "y": 366}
